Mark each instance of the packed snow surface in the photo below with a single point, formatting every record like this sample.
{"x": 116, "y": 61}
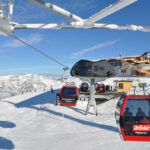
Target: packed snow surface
{"x": 32, "y": 121}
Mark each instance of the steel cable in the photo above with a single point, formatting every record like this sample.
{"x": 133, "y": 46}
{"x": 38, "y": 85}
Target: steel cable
{"x": 40, "y": 52}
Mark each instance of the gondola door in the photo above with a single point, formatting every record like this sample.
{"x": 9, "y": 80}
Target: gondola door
{"x": 134, "y": 118}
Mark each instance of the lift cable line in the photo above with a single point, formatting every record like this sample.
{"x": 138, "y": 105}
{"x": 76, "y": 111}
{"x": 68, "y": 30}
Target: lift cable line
{"x": 39, "y": 51}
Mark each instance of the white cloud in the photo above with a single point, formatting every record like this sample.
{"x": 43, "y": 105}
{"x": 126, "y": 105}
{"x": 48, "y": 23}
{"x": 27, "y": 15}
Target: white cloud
{"x": 31, "y": 39}
{"x": 95, "y": 47}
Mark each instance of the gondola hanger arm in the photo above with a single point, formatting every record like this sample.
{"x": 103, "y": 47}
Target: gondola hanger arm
{"x": 82, "y": 26}
{"x": 10, "y": 11}
{"x": 57, "y": 10}
{"x": 108, "y": 11}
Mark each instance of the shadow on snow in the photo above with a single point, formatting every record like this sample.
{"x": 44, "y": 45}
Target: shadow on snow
{"x": 5, "y": 143}
{"x": 49, "y": 98}
{"x": 45, "y": 98}
{"x": 7, "y": 124}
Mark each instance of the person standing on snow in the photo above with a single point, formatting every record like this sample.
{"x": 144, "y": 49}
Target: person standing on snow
{"x": 52, "y": 91}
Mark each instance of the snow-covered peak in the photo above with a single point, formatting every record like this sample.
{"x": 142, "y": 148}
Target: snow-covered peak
{"x": 17, "y": 84}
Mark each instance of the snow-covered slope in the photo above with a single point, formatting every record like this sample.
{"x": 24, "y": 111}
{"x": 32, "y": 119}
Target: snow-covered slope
{"x": 32, "y": 121}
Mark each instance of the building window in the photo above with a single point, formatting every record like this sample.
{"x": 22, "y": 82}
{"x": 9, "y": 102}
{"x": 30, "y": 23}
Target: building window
{"x": 96, "y": 68}
{"x": 116, "y": 63}
{"x": 101, "y": 68}
{"x": 120, "y": 85}
{"x": 89, "y": 67}
{"x": 120, "y": 63}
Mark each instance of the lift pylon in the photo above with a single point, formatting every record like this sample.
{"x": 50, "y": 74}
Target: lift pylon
{"x": 91, "y": 101}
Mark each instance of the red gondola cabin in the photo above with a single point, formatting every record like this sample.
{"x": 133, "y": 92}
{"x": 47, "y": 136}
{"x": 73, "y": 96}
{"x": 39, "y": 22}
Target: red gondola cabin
{"x": 100, "y": 88}
{"x": 133, "y": 116}
{"x": 68, "y": 96}
{"x": 84, "y": 87}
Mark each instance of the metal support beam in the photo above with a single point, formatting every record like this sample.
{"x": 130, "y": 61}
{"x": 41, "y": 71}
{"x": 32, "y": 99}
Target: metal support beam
{"x": 91, "y": 101}
{"x": 5, "y": 28}
{"x": 64, "y": 70}
{"x": 81, "y": 26}
{"x": 57, "y": 10}
{"x": 10, "y": 12}
{"x": 108, "y": 11}
{"x": 2, "y": 13}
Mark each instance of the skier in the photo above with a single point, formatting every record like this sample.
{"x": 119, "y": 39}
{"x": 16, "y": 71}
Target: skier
{"x": 52, "y": 91}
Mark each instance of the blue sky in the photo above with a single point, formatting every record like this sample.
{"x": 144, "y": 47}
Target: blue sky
{"x": 70, "y": 45}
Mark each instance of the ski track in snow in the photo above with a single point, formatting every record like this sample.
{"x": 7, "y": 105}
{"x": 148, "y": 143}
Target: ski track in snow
{"x": 32, "y": 121}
